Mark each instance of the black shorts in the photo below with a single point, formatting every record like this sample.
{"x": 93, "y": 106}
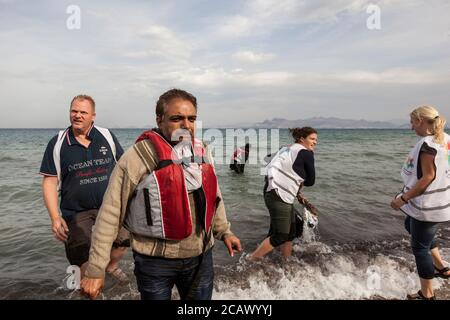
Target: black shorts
{"x": 80, "y": 232}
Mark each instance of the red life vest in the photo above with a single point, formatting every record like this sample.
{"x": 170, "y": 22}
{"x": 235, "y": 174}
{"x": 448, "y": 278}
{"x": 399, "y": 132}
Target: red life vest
{"x": 167, "y": 194}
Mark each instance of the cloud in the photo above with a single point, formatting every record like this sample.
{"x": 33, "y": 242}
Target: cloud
{"x": 162, "y": 42}
{"x": 237, "y": 26}
{"x": 264, "y": 56}
{"x": 398, "y": 76}
{"x": 252, "y": 57}
{"x": 303, "y": 11}
{"x": 220, "y": 78}
{"x": 333, "y": 80}
{"x": 265, "y": 16}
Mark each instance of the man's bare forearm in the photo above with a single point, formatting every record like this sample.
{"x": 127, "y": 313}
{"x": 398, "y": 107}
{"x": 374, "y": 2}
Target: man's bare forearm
{"x": 49, "y": 188}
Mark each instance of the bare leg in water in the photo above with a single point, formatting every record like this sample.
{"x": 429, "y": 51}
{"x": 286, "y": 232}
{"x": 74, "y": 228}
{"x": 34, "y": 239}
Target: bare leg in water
{"x": 426, "y": 285}
{"x": 264, "y": 248}
{"x": 437, "y": 260}
{"x": 286, "y": 249}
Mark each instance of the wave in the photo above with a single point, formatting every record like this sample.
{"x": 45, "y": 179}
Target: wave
{"x": 26, "y": 196}
{"x": 10, "y": 159}
{"x": 377, "y": 270}
{"x": 319, "y": 271}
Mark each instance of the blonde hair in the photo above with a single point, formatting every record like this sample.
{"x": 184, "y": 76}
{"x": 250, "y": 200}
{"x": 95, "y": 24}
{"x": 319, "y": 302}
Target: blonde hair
{"x": 432, "y": 117}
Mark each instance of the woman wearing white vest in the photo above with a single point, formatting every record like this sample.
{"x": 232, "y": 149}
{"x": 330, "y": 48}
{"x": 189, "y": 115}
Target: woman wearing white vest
{"x": 425, "y": 197}
{"x": 290, "y": 169}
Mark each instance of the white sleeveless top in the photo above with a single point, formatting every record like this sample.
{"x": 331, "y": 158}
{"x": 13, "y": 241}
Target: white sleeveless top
{"x": 281, "y": 175}
{"x": 434, "y": 204}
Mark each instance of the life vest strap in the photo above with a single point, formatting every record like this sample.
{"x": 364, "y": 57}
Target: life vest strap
{"x": 162, "y": 164}
{"x": 148, "y": 212}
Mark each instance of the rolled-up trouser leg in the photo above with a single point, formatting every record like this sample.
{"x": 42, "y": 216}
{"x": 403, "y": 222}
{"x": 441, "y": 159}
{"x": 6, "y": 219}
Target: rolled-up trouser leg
{"x": 422, "y": 241}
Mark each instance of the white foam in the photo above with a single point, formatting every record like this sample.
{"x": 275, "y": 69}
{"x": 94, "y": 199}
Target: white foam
{"x": 337, "y": 276}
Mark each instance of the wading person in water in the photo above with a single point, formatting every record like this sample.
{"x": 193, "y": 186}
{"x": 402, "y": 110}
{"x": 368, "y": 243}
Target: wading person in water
{"x": 164, "y": 190}
{"x": 239, "y": 158}
{"x": 78, "y": 162}
{"x": 290, "y": 169}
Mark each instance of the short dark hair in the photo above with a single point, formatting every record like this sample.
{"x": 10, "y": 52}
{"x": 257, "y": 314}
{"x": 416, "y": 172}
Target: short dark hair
{"x": 84, "y": 97}
{"x": 168, "y": 96}
{"x": 298, "y": 133}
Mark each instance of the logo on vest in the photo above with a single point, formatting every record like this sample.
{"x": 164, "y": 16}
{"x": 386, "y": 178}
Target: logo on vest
{"x": 448, "y": 152}
{"x": 103, "y": 150}
{"x": 408, "y": 166}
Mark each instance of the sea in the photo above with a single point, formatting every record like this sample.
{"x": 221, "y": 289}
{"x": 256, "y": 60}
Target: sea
{"x": 359, "y": 250}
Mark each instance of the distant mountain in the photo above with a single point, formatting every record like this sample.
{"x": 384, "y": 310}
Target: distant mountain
{"x": 329, "y": 123}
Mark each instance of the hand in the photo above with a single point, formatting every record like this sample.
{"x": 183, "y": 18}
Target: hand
{"x": 92, "y": 286}
{"x": 396, "y": 203}
{"x": 233, "y": 244}
{"x": 311, "y": 208}
{"x": 60, "y": 229}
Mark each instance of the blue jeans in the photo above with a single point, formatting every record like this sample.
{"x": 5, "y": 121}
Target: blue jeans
{"x": 422, "y": 241}
{"x": 156, "y": 277}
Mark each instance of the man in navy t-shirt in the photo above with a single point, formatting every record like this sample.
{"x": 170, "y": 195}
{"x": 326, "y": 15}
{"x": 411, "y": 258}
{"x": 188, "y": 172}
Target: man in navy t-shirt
{"x": 79, "y": 161}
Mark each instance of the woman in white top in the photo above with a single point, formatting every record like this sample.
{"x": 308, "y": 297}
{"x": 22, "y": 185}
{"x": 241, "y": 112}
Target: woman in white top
{"x": 425, "y": 197}
{"x": 291, "y": 168}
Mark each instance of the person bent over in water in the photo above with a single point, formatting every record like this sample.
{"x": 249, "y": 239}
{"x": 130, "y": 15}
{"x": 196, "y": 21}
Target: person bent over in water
{"x": 290, "y": 169}
{"x": 164, "y": 190}
{"x": 239, "y": 158}
{"x": 78, "y": 162}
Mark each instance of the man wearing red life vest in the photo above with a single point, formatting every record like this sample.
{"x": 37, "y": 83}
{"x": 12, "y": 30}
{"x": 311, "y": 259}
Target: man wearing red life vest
{"x": 164, "y": 191}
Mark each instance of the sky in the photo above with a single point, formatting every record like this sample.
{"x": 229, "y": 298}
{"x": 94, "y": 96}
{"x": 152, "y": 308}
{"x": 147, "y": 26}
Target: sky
{"x": 245, "y": 61}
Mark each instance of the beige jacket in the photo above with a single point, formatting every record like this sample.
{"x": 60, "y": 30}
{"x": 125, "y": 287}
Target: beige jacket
{"x": 133, "y": 166}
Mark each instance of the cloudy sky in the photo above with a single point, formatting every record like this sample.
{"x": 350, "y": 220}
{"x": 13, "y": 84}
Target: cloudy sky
{"x": 246, "y": 61}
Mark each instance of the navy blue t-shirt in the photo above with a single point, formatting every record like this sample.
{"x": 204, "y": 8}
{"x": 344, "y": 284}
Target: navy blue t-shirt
{"x": 85, "y": 171}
